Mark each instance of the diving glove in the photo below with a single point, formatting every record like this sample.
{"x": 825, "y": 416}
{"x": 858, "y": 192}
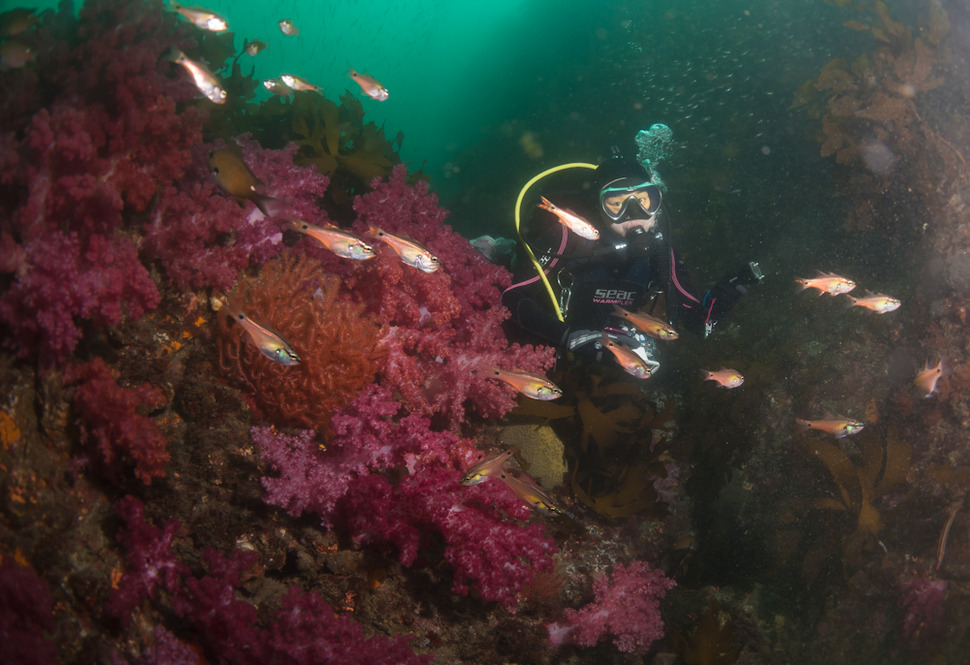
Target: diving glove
{"x": 589, "y": 343}
{"x": 747, "y": 275}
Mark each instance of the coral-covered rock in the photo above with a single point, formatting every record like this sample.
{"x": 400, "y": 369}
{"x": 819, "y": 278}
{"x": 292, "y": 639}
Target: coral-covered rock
{"x": 202, "y": 238}
{"x": 101, "y": 137}
{"x": 111, "y": 422}
{"x": 442, "y": 325}
{"x": 626, "y": 607}
{"x": 26, "y": 614}
{"x": 152, "y": 563}
{"x": 336, "y": 340}
{"x": 345, "y": 485}
{"x": 304, "y": 629}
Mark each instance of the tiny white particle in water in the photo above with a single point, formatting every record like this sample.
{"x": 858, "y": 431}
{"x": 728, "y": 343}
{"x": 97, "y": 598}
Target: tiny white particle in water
{"x": 765, "y": 150}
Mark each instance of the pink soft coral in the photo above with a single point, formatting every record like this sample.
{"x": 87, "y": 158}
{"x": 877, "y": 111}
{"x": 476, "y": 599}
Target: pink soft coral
{"x": 627, "y": 607}
{"x": 444, "y": 324}
{"x": 346, "y": 486}
{"x": 101, "y": 137}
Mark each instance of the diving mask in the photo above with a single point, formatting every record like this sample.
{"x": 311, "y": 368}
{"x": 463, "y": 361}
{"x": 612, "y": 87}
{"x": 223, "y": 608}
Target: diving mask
{"x": 626, "y": 198}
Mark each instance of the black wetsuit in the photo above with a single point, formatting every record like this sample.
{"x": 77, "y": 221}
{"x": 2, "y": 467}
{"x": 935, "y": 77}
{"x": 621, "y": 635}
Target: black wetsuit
{"x": 599, "y": 274}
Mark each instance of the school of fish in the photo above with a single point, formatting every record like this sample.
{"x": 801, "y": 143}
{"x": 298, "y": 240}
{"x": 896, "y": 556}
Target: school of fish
{"x": 235, "y": 178}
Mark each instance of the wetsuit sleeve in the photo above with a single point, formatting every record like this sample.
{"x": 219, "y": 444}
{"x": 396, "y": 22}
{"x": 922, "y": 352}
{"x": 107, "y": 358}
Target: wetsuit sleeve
{"x": 697, "y": 312}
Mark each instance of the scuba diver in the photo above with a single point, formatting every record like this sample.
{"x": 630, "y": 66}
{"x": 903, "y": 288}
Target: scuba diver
{"x": 620, "y": 266}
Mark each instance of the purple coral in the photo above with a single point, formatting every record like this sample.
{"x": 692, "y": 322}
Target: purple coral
{"x": 150, "y": 557}
{"x": 628, "y": 608}
{"x": 112, "y": 425}
{"x": 26, "y": 615}
{"x": 345, "y": 485}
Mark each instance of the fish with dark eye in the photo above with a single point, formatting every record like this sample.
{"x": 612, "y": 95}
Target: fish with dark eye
{"x": 837, "y": 426}
{"x": 201, "y": 18}
{"x": 409, "y": 251}
{"x": 531, "y": 385}
{"x": 342, "y": 243}
{"x": 255, "y": 47}
{"x": 204, "y": 80}
{"x": 270, "y": 343}
{"x": 235, "y": 178}
{"x": 489, "y": 467}
{"x": 647, "y": 324}
{"x": 371, "y": 87}
{"x": 287, "y": 27}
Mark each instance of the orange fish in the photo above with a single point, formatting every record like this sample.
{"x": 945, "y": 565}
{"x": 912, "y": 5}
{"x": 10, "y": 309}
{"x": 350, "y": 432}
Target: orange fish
{"x": 531, "y": 385}
{"x": 340, "y": 242}
{"x": 492, "y": 465}
{"x": 647, "y": 324}
{"x": 570, "y": 220}
{"x": 410, "y": 251}
{"x": 631, "y": 363}
{"x": 726, "y": 378}
{"x": 877, "y": 302}
{"x": 204, "y": 80}
{"x": 926, "y": 380}
{"x": 827, "y": 282}
{"x": 838, "y": 426}
{"x": 270, "y": 343}
{"x": 531, "y": 493}
{"x": 369, "y": 85}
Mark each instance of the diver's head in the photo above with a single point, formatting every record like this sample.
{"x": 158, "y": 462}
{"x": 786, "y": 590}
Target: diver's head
{"x": 626, "y": 192}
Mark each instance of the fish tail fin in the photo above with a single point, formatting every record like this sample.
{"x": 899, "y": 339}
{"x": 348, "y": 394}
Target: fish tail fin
{"x": 802, "y": 425}
{"x": 706, "y": 374}
{"x": 801, "y": 283}
{"x": 174, "y": 54}
{"x": 231, "y": 310}
{"x": 268, "y": 205}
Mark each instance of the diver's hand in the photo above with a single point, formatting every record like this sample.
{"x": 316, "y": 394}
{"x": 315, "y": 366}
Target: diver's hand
{"x": 583, "y": 341}
{"x": 748, "y": 274}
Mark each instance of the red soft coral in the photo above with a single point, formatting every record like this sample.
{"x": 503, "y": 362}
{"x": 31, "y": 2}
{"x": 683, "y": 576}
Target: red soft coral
{"x": 103, "y": 135}
{"x": 110, "y": 421}
{"x": 63, "y": 281}
{"x": 345, "y": 485}
{"x": 443, "y": 324}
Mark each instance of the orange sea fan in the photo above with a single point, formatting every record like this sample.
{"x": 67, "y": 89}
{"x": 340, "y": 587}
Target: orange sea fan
{"x": 336, "y": 340}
